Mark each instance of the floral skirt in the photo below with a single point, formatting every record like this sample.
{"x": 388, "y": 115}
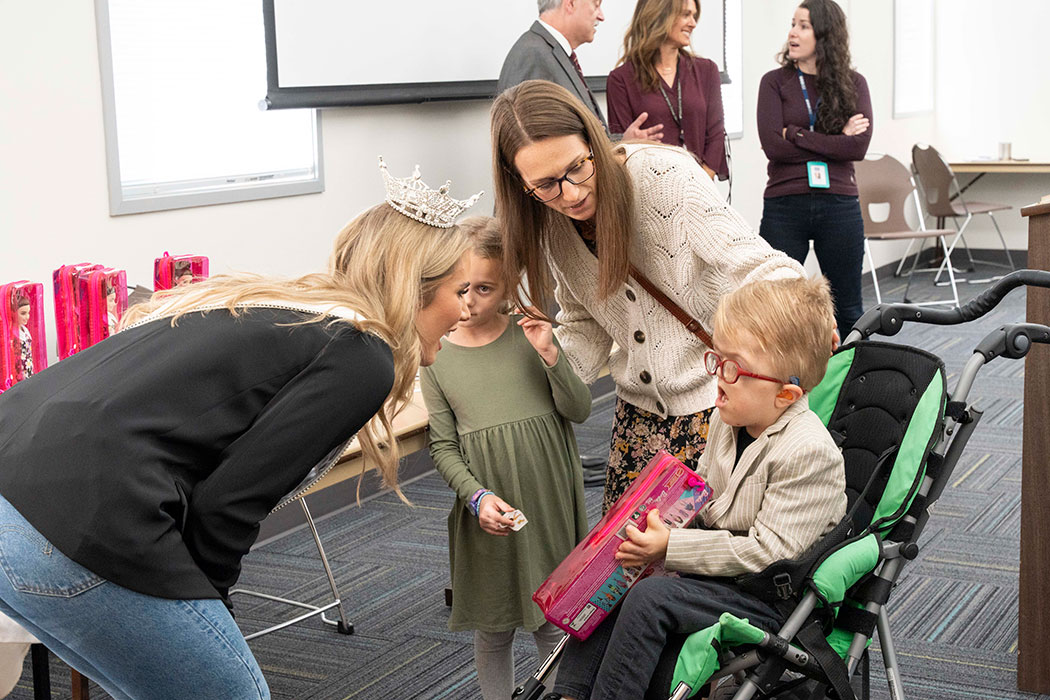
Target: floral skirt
{"x": 637, "y": 436}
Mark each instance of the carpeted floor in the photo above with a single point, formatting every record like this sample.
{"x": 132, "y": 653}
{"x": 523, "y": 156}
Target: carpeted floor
{"x": 954, "y": 613}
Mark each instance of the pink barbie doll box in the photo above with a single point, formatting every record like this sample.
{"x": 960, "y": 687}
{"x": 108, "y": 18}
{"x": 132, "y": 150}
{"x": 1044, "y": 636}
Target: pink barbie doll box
{"x": 22, "y": 348}
{"x": 102, "y": 298}
{"x": 584, "y": 589}
{"x": 67, "y": 312}
{"x": 170, "y": 271}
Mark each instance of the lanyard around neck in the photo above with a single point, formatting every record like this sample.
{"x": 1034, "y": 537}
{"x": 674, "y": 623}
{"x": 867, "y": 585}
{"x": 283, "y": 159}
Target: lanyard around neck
{"x": 676, "y": 117}
{"x": 805, "y": 96}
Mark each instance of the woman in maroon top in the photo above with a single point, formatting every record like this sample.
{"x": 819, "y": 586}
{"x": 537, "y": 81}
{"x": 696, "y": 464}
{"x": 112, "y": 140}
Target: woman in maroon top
{"x": 814, "y": 120}
{"x": 661, "y": 78}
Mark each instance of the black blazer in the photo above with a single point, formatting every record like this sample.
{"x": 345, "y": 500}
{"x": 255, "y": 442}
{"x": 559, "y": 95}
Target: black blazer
{"x": 537, "y": 55}
{"x": 151, "y": 457}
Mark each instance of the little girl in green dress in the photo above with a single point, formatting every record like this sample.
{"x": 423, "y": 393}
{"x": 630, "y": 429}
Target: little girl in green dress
{"x": 501, "y": 398}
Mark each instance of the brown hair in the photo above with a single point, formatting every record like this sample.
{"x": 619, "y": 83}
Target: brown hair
{"x": 486, "y": 241}
{"x": 485, "y": 236}
{"x": 529, "y": 112}
{"x": 650, "y": 25}
{"x": 838, "y": 92}
{"x": 791, "y": 320}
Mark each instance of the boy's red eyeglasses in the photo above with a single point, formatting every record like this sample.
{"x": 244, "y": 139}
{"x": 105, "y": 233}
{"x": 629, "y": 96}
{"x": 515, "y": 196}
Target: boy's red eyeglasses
{"x": 732, "y": 371}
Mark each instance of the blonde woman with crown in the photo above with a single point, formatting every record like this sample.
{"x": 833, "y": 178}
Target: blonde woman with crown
{"x": 214, "y": 402}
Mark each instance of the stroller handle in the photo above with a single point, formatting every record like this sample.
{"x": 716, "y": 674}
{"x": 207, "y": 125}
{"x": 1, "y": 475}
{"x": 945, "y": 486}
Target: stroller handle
{"x": 888, "y": 319}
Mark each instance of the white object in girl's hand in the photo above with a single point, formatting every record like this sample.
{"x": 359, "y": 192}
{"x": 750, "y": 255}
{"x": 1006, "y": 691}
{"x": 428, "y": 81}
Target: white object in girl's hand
{"x": 518, "y": 518}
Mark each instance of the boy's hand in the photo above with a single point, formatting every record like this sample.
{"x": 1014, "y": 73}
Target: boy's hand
{"x": 541, "y": 336}
{"x": 491, "y": 515}
{"x": 644, "y": 547}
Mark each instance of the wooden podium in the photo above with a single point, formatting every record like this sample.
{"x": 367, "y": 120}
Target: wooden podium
{"x": 1033, "y": 642}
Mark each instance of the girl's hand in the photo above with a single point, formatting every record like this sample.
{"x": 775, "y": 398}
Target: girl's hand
{"x": 857, "y": 124}
{"x": 640, "y": 548}
{"x": 540, "y": 335}
{"x": 491, "y": 518}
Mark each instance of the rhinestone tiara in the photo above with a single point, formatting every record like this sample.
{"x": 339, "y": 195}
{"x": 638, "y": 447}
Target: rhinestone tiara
{"x": 412, "y": 197}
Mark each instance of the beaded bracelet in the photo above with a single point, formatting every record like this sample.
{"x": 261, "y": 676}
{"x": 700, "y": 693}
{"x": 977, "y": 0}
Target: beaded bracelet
{"x": 475, "y": 500}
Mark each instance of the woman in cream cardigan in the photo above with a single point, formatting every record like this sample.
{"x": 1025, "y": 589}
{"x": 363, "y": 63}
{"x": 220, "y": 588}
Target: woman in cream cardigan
{"x": 578, "y": 213}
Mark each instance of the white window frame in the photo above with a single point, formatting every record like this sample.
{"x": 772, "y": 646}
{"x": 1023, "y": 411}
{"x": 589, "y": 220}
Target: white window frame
{"x": 163, "y": 196}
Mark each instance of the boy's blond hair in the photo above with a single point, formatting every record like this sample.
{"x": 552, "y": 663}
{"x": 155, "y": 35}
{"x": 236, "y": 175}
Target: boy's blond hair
{"x": 791, "y": 320}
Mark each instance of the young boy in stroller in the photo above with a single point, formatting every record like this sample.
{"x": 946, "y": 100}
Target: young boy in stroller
{"x": 778, "y": 482}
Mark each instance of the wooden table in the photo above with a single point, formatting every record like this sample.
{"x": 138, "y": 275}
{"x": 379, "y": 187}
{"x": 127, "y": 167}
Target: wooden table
{"x": 980, "y": 168}
{"x": 1033, "y": 644}
{"x": 999, "y": 166}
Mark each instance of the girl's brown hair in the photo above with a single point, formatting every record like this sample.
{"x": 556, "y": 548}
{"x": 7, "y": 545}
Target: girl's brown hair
{"x": 529, "y": 112}
{"x": 650, "y": 25}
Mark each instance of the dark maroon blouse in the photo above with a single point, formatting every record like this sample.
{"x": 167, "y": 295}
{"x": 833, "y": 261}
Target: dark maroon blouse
{"x": 780, "y": 106}
{"x": 703, "y": 120}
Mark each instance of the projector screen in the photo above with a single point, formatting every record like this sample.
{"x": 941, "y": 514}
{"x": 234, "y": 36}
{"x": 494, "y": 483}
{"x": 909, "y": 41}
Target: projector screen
{"x": 326, "y": 53}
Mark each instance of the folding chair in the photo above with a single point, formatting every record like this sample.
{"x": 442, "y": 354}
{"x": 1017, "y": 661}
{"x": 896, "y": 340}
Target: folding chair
{"x": 943, "y": 199}
{"x": 885, "y": 183}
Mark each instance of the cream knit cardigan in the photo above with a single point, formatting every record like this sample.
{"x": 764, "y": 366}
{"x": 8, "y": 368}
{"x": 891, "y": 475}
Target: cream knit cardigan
{"x": 693, "y": 247}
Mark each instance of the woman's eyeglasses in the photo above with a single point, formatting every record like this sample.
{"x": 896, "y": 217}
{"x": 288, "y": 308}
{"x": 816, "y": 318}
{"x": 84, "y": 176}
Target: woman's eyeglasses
{"x": 732, "y": 371}
{"x": 577, "y": 175}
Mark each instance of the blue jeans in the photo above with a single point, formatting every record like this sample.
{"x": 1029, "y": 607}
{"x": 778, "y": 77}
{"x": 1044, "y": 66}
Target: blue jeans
{"x": 635, "y": 646}
{"x": 135, "y": 646}
{"x": 834, "y": 223}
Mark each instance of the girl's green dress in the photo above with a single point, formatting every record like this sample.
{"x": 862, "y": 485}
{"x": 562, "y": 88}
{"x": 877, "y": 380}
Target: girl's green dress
{"x": 499, "y": 419}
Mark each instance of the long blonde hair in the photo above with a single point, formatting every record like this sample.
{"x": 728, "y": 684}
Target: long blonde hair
{"x": 385, "y": 267}
{"x": 650, "y": 25}
{"x": 532, "y": 111}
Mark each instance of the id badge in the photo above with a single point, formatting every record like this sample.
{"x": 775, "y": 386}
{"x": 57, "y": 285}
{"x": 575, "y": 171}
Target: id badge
{"x": 818, "y": 174}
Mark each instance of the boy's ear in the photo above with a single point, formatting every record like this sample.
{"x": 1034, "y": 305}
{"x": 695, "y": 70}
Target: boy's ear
{"x": 789, "y": 394}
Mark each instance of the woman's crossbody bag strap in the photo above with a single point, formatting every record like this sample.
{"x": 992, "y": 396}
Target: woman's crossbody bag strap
{"x": 690, "y": 323}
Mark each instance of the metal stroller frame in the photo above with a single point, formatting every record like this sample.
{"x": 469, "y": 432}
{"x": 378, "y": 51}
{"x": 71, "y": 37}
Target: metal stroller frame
{"x": 766, "y": 662}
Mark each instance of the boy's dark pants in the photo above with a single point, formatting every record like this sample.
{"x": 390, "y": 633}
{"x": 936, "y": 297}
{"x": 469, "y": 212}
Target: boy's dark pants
{"x": 621, "y": 657}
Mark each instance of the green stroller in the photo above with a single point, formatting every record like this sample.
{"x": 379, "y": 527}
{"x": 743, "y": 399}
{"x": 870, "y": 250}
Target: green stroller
{"x": 901, "y": 433}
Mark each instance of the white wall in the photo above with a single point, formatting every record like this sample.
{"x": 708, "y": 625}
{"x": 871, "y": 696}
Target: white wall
{"x": 53, "y": 199}
{"x": 993, "y": 85}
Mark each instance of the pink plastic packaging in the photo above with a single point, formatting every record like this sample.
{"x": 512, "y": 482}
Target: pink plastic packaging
{"x": 584, "y": 589}
{"x": 22, "y": 343}
{"x": 67, "y": 312}
{"x": 171, "y": 271}
{"x": 102, "y": 298}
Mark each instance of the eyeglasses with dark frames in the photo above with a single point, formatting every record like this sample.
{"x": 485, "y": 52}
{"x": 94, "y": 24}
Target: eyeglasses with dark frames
{"x": 731, "y": 370}
{"x": 578, "y": 174}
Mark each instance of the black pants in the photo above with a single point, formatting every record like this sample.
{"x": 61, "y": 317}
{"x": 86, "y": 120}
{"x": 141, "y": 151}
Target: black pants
{"x": 623, "y": 655}
{"x": 834, "y": 223}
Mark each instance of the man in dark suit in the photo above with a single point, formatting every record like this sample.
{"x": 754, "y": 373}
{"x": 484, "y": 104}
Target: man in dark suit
{"x": 547, "y": 51}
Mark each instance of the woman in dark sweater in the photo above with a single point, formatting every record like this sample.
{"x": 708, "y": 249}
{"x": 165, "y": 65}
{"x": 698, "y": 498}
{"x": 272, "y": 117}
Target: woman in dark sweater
{"x": 814, "y": 120}
{"x": 135, "y": 473}
{"x": 661, "y": 78}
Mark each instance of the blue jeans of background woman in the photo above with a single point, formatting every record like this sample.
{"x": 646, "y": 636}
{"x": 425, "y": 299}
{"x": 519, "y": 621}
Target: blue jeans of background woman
{"x": 133, "y": 645}
{"x": 834, "y": 223}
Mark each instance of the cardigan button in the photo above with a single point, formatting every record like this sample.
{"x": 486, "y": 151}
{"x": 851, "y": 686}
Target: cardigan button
{"x": 630, "y": 295}
{"x": 660, "y": 407}
{"x": 639, "y": 337}
{"x": 645, "y": 377}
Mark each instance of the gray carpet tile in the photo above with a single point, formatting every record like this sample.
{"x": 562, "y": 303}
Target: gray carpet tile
{"x": 954, "y": 612}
